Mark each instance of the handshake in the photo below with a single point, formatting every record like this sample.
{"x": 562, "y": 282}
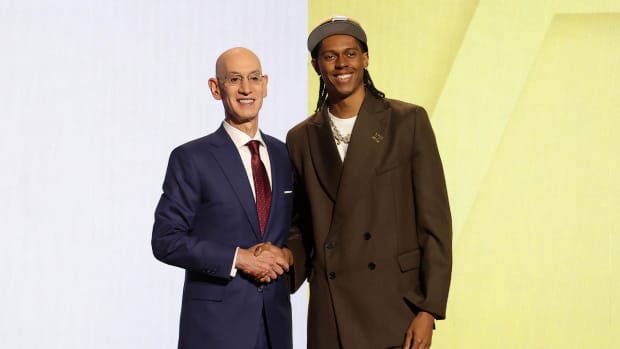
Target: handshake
{"x": 264, "y": 262}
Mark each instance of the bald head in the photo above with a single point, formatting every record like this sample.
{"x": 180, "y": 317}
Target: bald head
{"x": 241, "y": 57}
{"x": 241, "y": 86}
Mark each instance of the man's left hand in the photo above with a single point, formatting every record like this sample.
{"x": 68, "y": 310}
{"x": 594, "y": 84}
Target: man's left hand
{"x": 420, "y": 332}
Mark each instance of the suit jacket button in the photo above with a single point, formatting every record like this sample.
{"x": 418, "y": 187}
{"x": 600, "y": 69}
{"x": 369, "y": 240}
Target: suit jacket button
{"x": 372, "y": 265}
{"x": 367, "y": 236}
{"x": 329, "y": 245}
{"x": 332, "y": 275}
{"x": 260, "y": 289}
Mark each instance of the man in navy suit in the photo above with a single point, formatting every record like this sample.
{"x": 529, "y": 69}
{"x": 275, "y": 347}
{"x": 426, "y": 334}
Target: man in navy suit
{"x": 224, "y": 215}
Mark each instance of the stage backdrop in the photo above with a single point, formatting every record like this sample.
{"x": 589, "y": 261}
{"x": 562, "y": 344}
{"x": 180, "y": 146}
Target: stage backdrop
{"x": 93, "y": 97}
{"x": 524, "y": 97}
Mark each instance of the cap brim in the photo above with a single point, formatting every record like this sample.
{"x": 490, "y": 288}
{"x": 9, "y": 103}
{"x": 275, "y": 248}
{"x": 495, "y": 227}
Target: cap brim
{"x": 344, "y": 27}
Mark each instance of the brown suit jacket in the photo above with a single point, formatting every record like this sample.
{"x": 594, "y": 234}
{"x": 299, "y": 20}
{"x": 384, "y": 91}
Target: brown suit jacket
{"x": 377, "y": 227}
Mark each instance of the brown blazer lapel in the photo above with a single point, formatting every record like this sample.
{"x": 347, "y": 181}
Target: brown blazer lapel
{"x": 324, "y": 154}
{"x": 364, "y": 153}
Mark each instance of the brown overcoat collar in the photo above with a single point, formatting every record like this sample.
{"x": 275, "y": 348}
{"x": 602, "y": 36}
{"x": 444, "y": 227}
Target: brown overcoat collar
{"x": 344, "y": 181}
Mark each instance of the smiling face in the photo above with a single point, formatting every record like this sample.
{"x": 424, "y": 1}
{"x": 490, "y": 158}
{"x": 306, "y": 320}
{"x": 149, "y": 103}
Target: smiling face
{"x": 341, "y": 63}
{"x": 240, "y": 86}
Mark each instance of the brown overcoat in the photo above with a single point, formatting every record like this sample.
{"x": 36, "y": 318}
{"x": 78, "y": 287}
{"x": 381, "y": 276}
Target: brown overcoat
{"x": 378, "y": 226}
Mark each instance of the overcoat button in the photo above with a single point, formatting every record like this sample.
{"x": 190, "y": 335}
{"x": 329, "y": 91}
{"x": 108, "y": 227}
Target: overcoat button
{"x": 332, "y": 275}
{"x": 372, "y": 265}
{"x": 367, "y": 236}
{"x": 330, "y": 244}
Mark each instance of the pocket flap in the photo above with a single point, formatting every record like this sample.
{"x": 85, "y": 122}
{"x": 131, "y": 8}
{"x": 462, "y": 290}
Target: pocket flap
{"x": 202, "y": 290}
{"x": 409, "y": 260}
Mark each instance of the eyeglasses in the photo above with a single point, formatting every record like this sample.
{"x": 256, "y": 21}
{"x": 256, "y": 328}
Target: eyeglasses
{"x": 237, "y": 79}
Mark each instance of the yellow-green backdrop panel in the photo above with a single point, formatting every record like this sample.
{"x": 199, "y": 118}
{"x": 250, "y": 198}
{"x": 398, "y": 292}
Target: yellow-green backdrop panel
{"x": 537, "y": 262}
{"x": 525, "y": 99}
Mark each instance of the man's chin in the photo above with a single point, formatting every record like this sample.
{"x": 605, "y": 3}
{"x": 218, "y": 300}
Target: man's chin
{"x": 340, "y": 94}
{"x": 242, "y": 119}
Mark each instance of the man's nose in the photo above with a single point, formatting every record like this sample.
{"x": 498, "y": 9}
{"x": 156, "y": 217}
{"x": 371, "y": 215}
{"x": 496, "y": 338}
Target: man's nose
{"x": 341, "y": 62}
{"x": 244, "y": 86}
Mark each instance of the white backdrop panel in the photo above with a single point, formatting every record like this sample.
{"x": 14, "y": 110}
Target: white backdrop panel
{"x": 93, "y": 97}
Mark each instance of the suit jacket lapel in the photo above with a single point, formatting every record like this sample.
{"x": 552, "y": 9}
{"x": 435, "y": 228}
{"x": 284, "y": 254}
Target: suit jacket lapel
{"x": 324, "y": 154}
{"x": 228, "y": 158}
{"x": 276, "y": 183}
{"x": 363, "y": 154}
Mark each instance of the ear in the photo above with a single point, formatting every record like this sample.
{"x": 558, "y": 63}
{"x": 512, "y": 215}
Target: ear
{"x": 215, "y": 89}
{"x": 366, "y": 59}
{"x": 265, "y": 81}
{"x": 315, "y": 65}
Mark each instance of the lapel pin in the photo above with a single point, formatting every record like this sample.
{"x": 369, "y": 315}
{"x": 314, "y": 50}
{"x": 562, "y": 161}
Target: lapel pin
{"x": 377, "y": 137}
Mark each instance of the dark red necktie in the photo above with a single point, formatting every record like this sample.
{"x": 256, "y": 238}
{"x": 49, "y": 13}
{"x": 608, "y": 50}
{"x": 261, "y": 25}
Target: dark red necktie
{"x": 261, "y": 185}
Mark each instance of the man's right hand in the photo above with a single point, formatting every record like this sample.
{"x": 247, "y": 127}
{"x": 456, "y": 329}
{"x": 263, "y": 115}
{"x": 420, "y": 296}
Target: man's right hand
{"x": 264, "y": 262}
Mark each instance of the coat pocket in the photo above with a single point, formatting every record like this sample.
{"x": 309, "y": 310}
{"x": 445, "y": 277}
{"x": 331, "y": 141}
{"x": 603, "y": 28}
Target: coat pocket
{"x": 409, "y": 260}
{"x": 205, "y": 291}
{"x": 387, "y": 168}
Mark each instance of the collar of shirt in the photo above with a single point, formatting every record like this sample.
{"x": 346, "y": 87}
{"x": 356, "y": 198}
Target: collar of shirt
{"x": 239, "y": 138}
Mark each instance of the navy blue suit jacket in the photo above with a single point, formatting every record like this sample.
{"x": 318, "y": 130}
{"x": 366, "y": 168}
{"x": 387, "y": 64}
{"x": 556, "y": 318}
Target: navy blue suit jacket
{"x": 206, "y": 210}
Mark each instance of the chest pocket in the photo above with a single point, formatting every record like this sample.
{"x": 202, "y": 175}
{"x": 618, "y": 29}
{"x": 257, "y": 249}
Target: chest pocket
{"x": 389, "y": 167}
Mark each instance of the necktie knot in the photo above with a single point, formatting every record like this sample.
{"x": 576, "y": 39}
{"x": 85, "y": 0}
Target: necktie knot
{"x": 253, "y": 145}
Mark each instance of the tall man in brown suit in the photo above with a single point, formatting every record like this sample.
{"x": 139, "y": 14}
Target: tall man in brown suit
{"x": 371, "y": 205}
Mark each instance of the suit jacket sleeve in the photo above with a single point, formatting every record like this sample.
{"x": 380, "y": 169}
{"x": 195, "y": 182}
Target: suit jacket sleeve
{"x": 299, "y": 238}
{"x": 172, "y": 240}
{"x": 434, "y": 225}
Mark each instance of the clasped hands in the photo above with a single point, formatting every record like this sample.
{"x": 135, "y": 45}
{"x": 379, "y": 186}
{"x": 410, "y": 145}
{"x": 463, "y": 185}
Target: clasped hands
{"x": 264, "y": 262}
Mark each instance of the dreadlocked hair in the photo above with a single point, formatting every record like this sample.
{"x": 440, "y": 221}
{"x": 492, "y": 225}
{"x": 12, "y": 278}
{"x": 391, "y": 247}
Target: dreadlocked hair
{"x": 371, "y": 86}
{"x": 367, "y": 82}
{"x": 322, "y": 95}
